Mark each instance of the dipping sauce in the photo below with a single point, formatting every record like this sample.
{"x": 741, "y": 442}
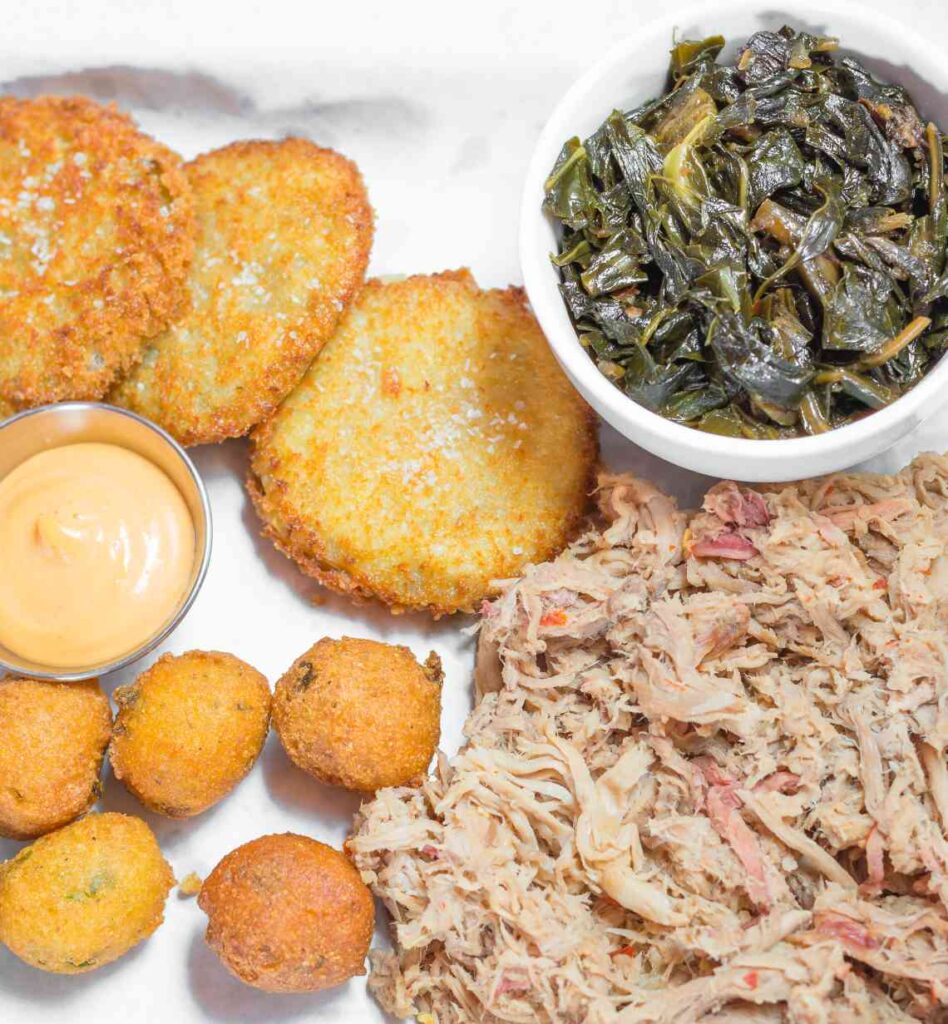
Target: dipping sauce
{"x": 96, "y": 553}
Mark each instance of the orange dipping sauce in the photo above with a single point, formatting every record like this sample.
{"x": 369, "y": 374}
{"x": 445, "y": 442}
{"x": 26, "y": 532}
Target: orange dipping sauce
{"x": 96, "y": 554}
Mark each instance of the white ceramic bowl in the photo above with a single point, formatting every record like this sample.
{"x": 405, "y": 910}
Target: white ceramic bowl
{"x": 633, "y": 71}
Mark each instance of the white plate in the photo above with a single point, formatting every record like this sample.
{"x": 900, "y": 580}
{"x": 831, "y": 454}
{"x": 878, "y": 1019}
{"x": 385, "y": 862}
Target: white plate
{"x": 443, "y": 138}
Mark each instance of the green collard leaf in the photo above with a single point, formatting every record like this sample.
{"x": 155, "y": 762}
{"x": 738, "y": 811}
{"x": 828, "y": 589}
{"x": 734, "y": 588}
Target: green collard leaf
{"x": 615, "y": 267}
{"x": 747, "y": 355}
{"x": 688, "y": 55}
{"x": 569, "y": 188}
{"x": 637, "y": 157}
{"x": 859, "y": 315}
{"x": 690, "y": 406}
{"x": 774, "y": 163}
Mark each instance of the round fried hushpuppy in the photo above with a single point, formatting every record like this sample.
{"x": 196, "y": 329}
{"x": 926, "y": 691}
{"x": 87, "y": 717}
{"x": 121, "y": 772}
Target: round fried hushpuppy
{"x": 288, "y": 914}
{"x": 359, "y": 713}
{"x": 96, "y": 234}
{"x": 438, "y": 412}
{"x": 285, "y": 230}
{"x": 52, "y": 740}
{"x": 188, "y": 730}
{"x": 81, "y": 897}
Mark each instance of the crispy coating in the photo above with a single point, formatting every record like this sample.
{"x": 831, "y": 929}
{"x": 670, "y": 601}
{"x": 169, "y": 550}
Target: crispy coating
{"x": 96, "y": 234}
{"x": 80, "y": 897}
{"x": 438, "y": 413}
{"x": 188, "y": 730}
{"x": 189, "y": 886}
{"x": 52, "y": 740}
{"x": 359, "y": 713}
{"x": 285, "y": 230}
{"x": 288, "y": 914}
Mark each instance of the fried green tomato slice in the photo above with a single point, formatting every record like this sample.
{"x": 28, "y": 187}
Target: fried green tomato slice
{"x": 435, "y": 446}
{"x": 285, "y": 230}
{"x": 52, "y": 740}
{"x": 97, "y": 232}
{"x": 80, "y": 897}
{"x": 188, "y": 730}
{"x": 288, "y": 914}
{"x": 359, "y": 713}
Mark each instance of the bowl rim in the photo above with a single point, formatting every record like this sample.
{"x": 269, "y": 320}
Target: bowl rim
{"x": 91, "y": 672}
{"x": 540, "y": 279}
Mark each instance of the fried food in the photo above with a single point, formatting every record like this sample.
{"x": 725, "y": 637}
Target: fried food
{"x": 285, "y": 230}
{"x": 288, "y": 914}
{"x": 52, "y": 740}
{"x": 188, "y": 730}
{"x": 359, "y": 713}
{"x": 81, "y": 897}
{"x": 189, "y": 886}
{"x": 96, "y": 234}
{"x": 438, "y": 413}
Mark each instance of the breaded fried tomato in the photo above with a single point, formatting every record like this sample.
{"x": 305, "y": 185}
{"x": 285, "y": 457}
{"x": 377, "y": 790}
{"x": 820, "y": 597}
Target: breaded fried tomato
{"x": 97, "y": 229}
{"x": 285, "y": 230}
{"x": 52, "y": 740}
{"x": 188, "y": 730}
{"x": 81, "y": 897}
{"x": 359, "y": 713}
{"x": 434, "y": 447}
{"x": 288, "y": 914}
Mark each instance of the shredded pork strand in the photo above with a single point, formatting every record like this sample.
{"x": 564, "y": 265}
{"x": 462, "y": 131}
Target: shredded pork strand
{"x": 706, "y": 777}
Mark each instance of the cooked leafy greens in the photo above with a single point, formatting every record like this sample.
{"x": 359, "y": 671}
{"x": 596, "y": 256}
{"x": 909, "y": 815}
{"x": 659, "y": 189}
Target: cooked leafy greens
{"x": 760, "y": 252}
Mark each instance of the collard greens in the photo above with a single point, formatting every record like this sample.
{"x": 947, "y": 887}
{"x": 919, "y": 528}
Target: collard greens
{"x": 761, "y": 251}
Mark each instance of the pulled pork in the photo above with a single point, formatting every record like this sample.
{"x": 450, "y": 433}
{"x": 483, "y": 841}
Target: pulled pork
{"x": 706, "y": 779}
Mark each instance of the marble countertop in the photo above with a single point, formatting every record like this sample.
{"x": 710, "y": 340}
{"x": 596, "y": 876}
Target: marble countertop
{"x": 440, "y": 105}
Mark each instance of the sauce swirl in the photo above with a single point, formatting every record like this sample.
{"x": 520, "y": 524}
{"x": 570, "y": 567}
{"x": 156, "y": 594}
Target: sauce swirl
{"x": 96, "y": 553}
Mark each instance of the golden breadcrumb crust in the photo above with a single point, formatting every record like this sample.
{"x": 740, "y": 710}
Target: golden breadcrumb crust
{"x": 189, "y": 886}
{"x": 359, "y": 713}
{"x": 96, "y": 235}
{"x": 81, "y": 897}
{"x": 285, "y": 230}
{"x": 288, "y": 914}
{"x": 433, "y": 447}
{"x": 188, "y": 730}
{"x": 52, "y": 740}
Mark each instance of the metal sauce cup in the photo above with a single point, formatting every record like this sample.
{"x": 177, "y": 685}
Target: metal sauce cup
{"x": 52, "y": 426}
